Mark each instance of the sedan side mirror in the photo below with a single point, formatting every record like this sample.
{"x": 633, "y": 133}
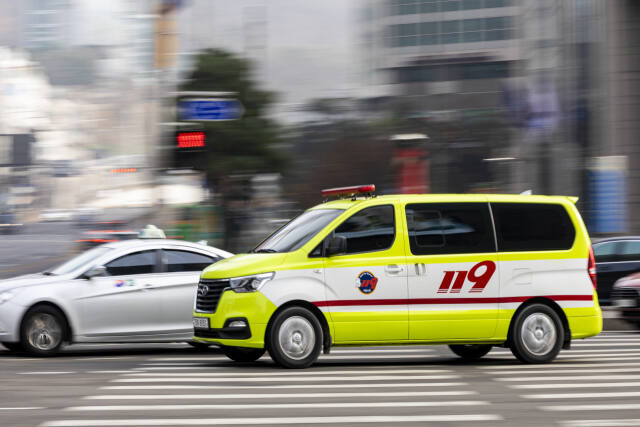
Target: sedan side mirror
{"x": 337, "y": 246}
{"x": 95, "y": 272}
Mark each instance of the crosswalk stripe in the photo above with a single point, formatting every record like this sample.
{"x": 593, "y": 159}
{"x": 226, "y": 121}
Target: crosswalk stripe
{"x": 571, "y": 378}
{"x": 552, "y": 371}
{"x": 298, "y": 374}
{"x": 557, "y": 364}
{"x": 283, "y": 386}
{"x": 593, "y": 407}
{"x": 276, "y": 406}
{"x": 395, "y": 419}
{"x": 281, "y": 379}
{"x": 245, "y": 396}
{"x": 582, "y": 395}
{"x": 573, "y": 385}
{"x": 602, "y": 423}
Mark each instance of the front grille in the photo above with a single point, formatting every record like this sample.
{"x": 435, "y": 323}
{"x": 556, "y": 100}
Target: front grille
{"x": 209, "y": 293}
{"x": 624, "y": 293}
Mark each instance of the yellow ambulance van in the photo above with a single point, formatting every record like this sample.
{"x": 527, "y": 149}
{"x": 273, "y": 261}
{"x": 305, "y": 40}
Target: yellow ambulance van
{"x": 470, "y": 271}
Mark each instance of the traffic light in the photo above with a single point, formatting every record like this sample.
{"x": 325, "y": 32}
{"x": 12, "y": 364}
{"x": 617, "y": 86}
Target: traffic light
{"x": 189, "y": 149}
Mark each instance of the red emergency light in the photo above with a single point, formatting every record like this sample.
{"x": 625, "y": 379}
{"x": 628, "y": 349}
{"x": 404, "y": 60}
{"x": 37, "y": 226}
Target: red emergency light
{"x": 190, "y": 139}
{"x": 349, "y": 191}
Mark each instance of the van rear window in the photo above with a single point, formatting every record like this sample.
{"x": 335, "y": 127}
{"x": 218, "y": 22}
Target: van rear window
{"x": 532, "y": 227}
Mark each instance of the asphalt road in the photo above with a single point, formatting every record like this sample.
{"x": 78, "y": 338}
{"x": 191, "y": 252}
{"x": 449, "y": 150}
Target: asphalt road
{"x": 596, "y": 383}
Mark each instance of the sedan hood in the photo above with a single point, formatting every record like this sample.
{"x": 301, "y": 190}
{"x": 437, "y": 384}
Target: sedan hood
{"x": 28, "y": 280}
{"x": 244, "y": 265}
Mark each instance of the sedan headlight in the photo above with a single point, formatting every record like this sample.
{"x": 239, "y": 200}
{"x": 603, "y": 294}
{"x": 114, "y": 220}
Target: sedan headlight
{"x": 250, "y": 283}
{"x": 6, "y": 296}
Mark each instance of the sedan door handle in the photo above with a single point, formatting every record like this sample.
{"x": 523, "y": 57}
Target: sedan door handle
{"x": 148, "y": 286}
{"x": 393, "y": 269}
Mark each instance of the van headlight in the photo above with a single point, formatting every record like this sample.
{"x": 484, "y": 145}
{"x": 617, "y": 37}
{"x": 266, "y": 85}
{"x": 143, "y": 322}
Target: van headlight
{"x": 6, "y": 296}
{"x": 250, "y": 283}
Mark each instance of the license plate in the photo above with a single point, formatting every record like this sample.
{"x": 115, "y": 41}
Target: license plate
{"x": 201, "y": 322}
{"x": 626, "y": 302}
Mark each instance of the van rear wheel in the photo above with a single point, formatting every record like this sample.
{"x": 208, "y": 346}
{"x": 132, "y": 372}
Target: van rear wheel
{"x": 295, "y": 338}
{"x": 537, "y": 334}
{"x": 470, "y": 351}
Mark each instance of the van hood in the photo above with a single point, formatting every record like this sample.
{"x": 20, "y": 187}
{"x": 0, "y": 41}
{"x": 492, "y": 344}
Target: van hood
{"x": 244, "y": 265}
{"x": 29, "y": 280}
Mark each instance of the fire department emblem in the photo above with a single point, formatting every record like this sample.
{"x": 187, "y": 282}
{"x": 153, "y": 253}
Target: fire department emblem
{"x": 367, "y": 282}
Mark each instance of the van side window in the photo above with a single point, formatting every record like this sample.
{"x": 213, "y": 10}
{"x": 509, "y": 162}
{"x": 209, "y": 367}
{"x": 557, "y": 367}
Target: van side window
{"x": 449, "y": 228}
{"x": 371, "y": 229}
{"x": 532, "y": 227}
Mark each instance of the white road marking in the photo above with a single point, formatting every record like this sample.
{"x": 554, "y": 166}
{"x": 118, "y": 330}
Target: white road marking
{"x": 281, "y": 379}
{"x": 573, "y": 385}
{"x": 559, "y": 365}
{"x": 281, "y": 386}
{"x": 598, "y": 350}
{"x": 571, "y": 378}
{"x": 46, "y": 373}
{"x": 582, "y": 395}
{"x": 602, "y": 423}
{"x": 552, "y": 371}
{"x": 593, "y": 407}
{"x": 276, "y": 421}
{"x": 23, "y": 408}
{"x": 389, "y": 350}
{"x": 112, "y": 372}
{"x": 276, "y": 373}
{"x": 613, "y": 343}
{"x": 245, "y": 396}
{"x": 276, "y": 406}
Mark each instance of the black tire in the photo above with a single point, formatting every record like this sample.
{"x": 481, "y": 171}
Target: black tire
{"x": 15, "y": 347}
{"x": 470, "y": 351}
{"x": 537, "y": 334}
{"x": 243, "y": 355}
{"x": 294, "y": 339}
{"x": 43, "y": 331}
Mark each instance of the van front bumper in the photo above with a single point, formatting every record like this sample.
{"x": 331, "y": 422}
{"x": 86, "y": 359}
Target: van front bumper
{"x": 253, "y": 308}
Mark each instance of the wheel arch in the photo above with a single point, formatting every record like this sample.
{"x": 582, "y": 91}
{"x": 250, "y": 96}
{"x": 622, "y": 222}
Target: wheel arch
{"x": 68, "y": 332}
{"x": 551, "y": 304}
{"x": 326, "y": 332}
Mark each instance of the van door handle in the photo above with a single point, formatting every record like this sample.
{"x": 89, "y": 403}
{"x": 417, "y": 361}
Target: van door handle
{"x": 393, "y": 269}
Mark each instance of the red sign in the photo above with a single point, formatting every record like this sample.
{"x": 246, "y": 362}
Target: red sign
{"x": 190, "y": 139}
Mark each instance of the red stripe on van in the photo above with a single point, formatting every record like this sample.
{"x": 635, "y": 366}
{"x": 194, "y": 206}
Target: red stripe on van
{"x": 425, "y": 301}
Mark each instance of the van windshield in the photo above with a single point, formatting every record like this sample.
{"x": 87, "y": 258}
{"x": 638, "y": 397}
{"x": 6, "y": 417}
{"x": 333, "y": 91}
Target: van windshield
{"x": 298, "y": 231}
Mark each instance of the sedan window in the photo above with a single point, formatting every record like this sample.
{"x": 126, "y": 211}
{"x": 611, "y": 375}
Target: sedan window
{"x": 630, "y": 251}
{"x": 177, "y": 261}
{"x": 136, "y": 263}
{"x": 605, "y": 251}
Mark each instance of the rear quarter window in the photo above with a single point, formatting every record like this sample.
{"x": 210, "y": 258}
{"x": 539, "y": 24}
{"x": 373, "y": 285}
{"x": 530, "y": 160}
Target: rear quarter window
{"x": 532, "y": 227}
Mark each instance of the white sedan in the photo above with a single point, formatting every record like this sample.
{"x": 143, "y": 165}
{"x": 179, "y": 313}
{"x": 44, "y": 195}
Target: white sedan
{"x": 139, "y": 290}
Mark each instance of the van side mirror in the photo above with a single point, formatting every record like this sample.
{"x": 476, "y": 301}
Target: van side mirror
{"x": 337, "y": 246}
{"x": 100, "y": 270}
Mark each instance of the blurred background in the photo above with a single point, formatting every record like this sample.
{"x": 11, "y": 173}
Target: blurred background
{"x": 221, "y": 120}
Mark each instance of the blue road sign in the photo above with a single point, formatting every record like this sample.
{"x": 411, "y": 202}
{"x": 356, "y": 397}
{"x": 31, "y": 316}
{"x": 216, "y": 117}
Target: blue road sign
{"x": 210, "y": 109}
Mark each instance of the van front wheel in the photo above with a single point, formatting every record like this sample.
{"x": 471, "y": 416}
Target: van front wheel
{"x": 470, "y": 351}
{"x": 295, "y": 338}
{"x": 537, "y": 334}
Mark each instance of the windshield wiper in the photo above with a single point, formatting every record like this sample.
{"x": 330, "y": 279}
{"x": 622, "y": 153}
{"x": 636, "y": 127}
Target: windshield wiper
{"x": 265, "y": 251}
{"x": 48, "y": 273}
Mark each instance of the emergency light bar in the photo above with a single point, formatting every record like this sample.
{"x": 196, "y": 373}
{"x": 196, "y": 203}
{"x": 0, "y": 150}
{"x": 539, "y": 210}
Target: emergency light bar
{"x": 349, "y": 191}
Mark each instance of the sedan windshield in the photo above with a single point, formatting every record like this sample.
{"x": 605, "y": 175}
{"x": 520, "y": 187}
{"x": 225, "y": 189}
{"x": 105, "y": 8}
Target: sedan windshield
{"x": 85, "y": 258}
{"x": 298, "y": 231}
